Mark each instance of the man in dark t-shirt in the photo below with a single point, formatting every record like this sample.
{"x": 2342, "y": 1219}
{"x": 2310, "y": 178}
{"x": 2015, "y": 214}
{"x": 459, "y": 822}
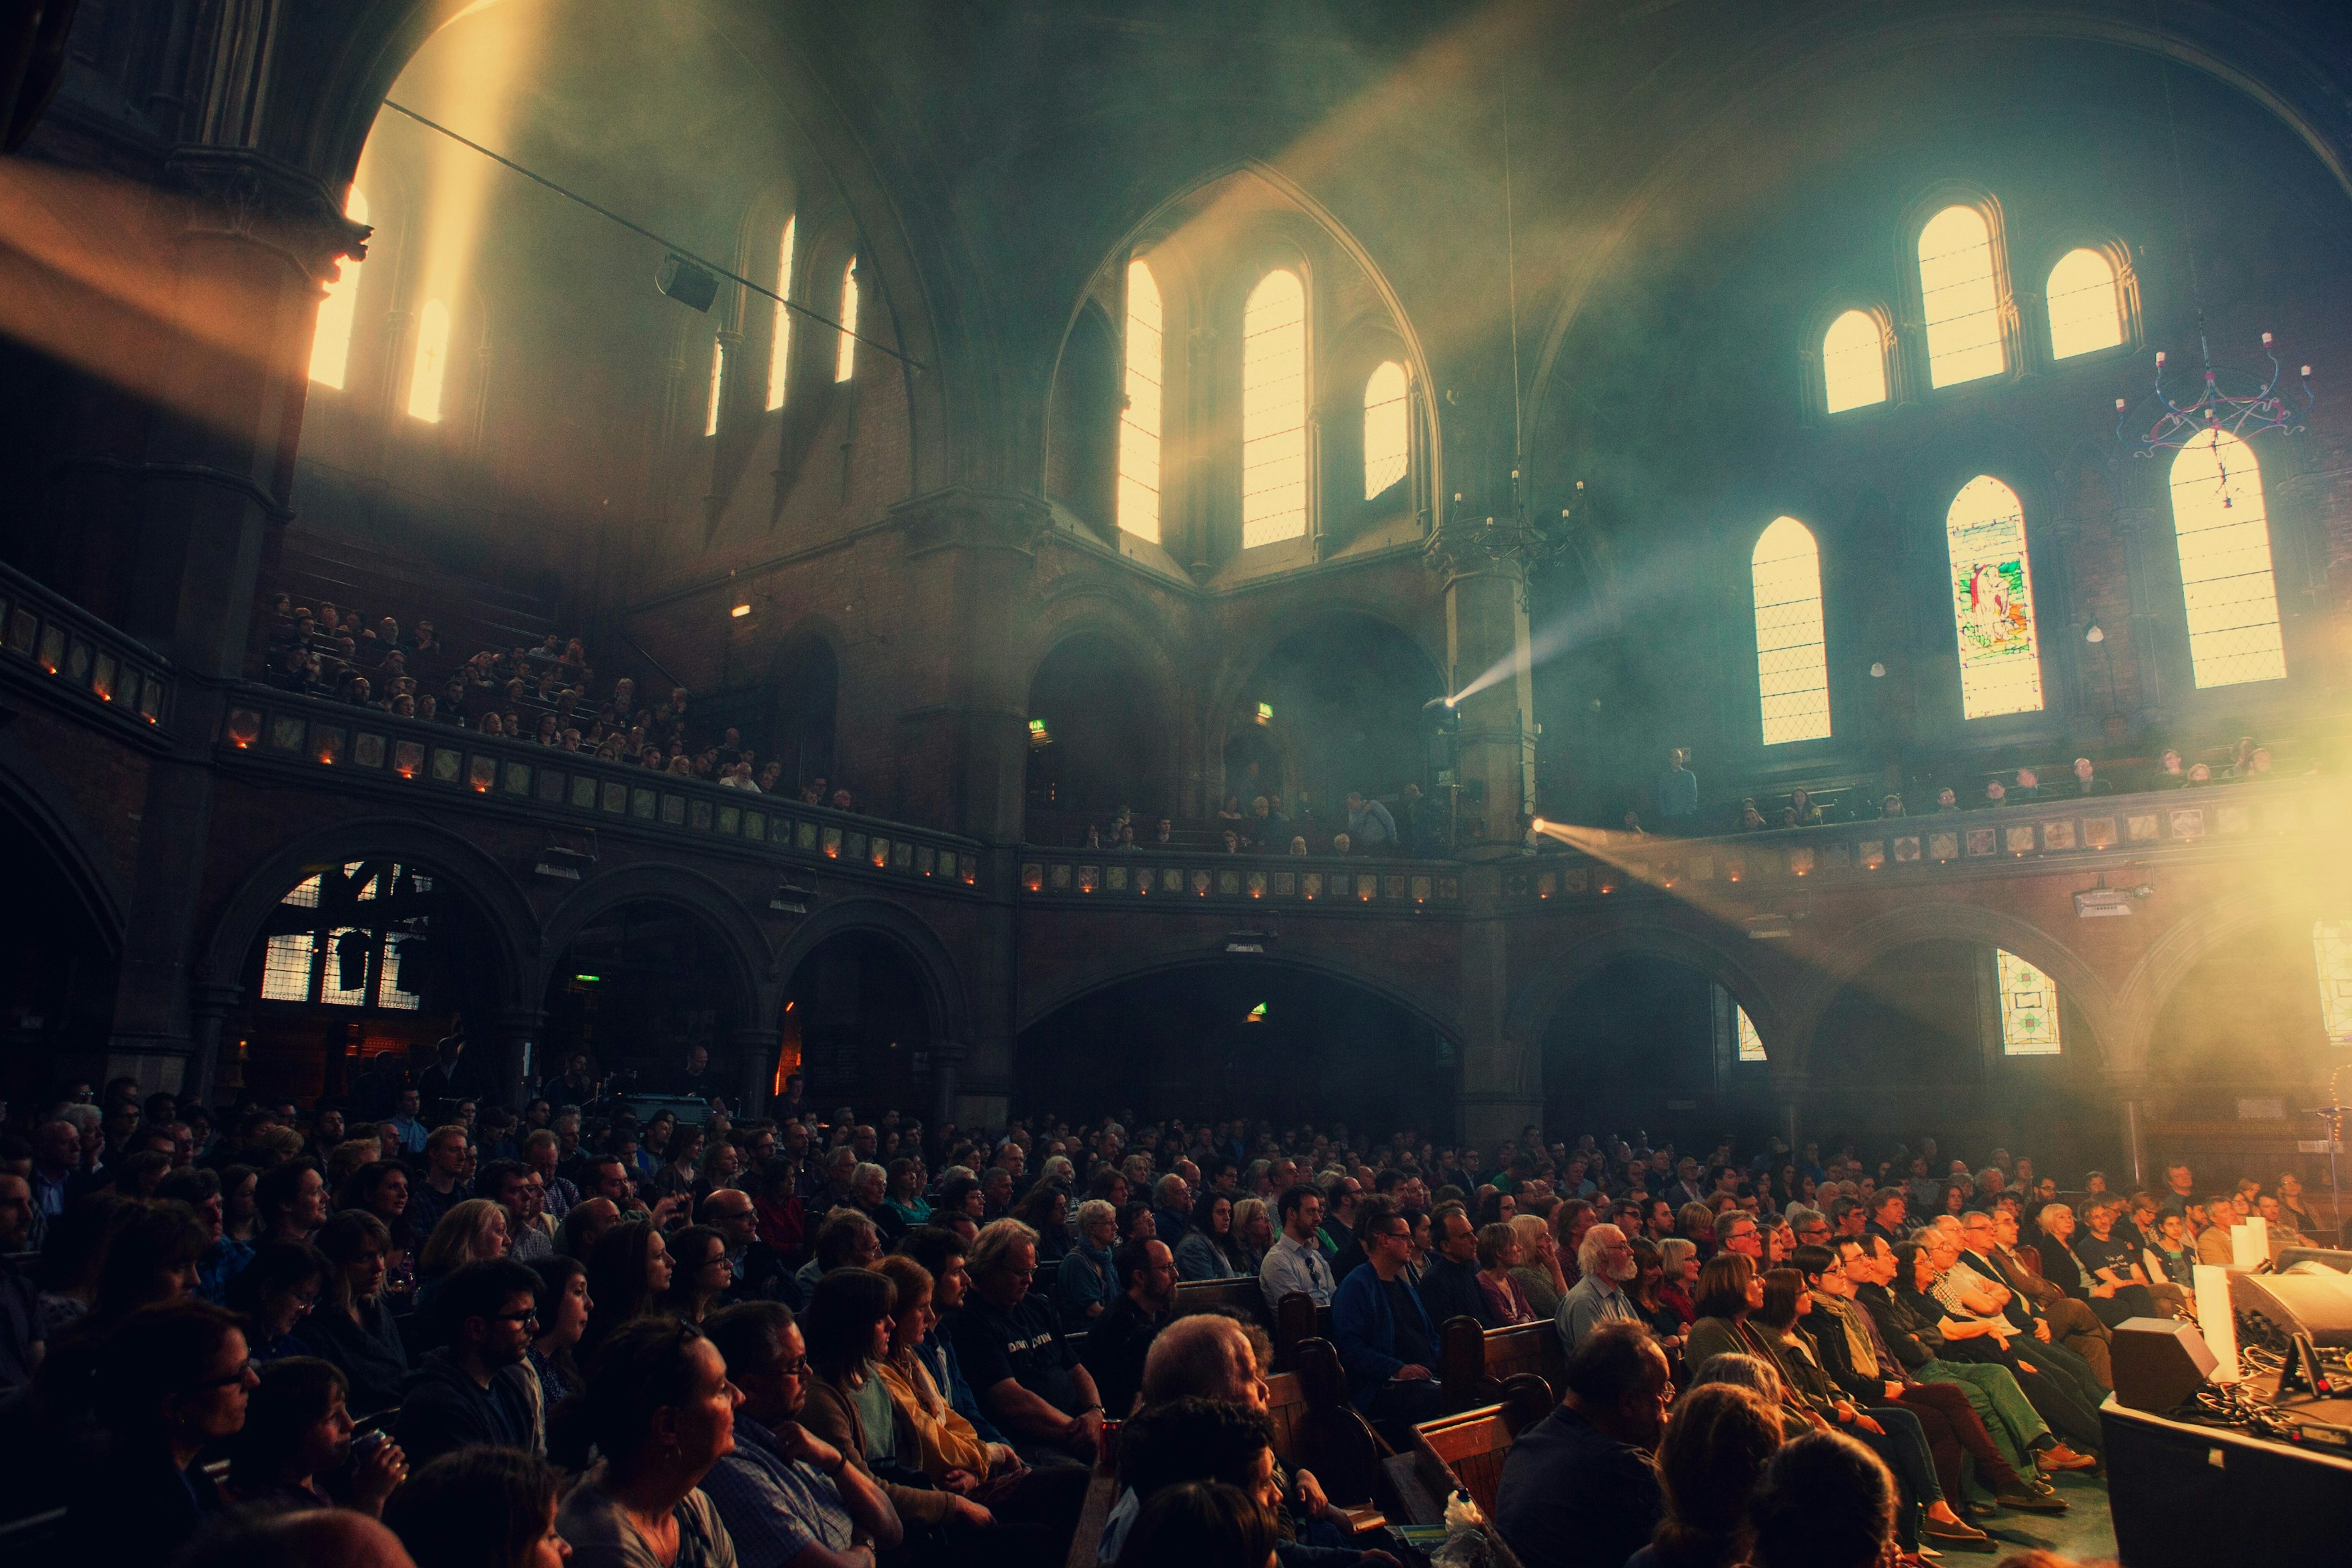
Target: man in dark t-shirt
{"x": 1122, "y": 1336}
{"x": 1578, "y": 1489}
{"x": 1010, "y": 1348}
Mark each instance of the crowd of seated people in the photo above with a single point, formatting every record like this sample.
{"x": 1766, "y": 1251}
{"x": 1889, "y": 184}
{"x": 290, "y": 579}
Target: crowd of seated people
{"x": 1410, "y": 825}
{"x": 1673, "y": 806}
{"x": 810, "y": 1339}
{"x": 542, "y": 694}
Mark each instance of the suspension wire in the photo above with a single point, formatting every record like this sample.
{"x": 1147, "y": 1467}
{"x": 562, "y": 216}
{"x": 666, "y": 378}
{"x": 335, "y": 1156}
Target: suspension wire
{"x": 1511, "y": 285}
{"x": 604, "y": 212}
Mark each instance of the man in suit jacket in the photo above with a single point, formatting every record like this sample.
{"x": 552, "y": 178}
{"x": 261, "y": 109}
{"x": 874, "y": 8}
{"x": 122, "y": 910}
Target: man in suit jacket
{"x": 1989, "y": 1245}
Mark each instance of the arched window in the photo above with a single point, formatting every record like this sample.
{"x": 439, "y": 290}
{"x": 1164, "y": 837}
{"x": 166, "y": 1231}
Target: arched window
{"x": 1960, "y": 296}
{"x": 1139, "y": 420}
{"x": 2029, "y": 1007}
{"x": 1274, "y": 411}
{"x": 2331, "y": 949}
{"x": 718, "y": 386}
{"x": 844, "y": 363}
{"x": 1992, "y": 600}
{"x": 2087, "y": 305}
{"x": 1751, "y": 1046}
{"x": 1853, "y": 361}
{"x": 330, "y": 344}
{"x": 2223, "y": 533}
{"x": 780, "y": 345}
{"x": 1792, "y": 670}
{"x": 432, "y": 362}
{"x": 1388, "y": 432}
{"x": 356, "y": 936}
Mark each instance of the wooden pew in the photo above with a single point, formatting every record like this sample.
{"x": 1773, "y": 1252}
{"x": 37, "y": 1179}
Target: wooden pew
{"x": 1328, "y": 1436}
{"x": 1240, "y": 1296}
{"x": 1467, "y": 1451}
{"x": 1286, "y": 1402}
{"x": 1476, "y": 1363}
{"x": 1296, "y": 1319}
{"x": 1527, "y": 1348}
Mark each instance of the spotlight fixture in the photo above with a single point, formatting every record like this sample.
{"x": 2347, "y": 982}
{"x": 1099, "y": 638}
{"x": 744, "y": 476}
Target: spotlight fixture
{"x": 1877, "y": 671}
{"x": 565, "y": 864}
{"x": 2104, "y": 902}
{"x": 683, "y": 281}
{"x": 2095, "y": 634}
{"x": 739, "y": 611}
{"x": 791, "y": 898}
{"x": 1258, "y": 941}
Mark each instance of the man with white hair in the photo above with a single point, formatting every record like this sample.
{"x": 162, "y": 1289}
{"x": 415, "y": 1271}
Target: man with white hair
{"x": 1607, "y": 1259}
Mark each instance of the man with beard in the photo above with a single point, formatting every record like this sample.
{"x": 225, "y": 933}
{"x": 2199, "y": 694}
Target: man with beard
{"x": 1606, "y": 1258}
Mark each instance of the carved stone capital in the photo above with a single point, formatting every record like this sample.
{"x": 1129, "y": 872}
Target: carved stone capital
{"x": 237, "y": 192}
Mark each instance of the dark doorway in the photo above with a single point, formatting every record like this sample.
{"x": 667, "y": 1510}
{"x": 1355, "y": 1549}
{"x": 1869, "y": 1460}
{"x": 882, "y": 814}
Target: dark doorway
{"x": 639, "y": 987}
{"x": 56, "y": 975}
{"x": 858, "y": 1022}
{"x": 1239, "y": 1038}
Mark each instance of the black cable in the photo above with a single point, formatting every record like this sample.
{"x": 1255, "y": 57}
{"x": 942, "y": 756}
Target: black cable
{"x": 633, "y": 228}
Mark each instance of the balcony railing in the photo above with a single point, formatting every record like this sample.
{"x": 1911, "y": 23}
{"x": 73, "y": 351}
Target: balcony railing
{"x": 49, "y": 644}
{"x": 1155, "y": 878}
{"x": 2093, "y": 831}
{"x": 573, "y": 791}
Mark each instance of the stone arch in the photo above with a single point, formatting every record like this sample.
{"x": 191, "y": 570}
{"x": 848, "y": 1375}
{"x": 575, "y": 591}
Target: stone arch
{"x": 951, "y": 1010}
{"x": 506, "y": 914}
{"x": 2169, "y": 960}
{"x": 749, "y": 964}
{"x": 1532, "y": 1008}
{"x": 1423, "y": 1002}
{"x": 1828, "y": 973}
{"x": 58, "y": 827}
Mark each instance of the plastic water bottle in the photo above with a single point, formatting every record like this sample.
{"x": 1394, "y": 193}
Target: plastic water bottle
{"x": 1462, "y": 1513}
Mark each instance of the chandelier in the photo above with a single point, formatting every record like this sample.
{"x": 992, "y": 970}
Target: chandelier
{"x": 2242, "y": 403}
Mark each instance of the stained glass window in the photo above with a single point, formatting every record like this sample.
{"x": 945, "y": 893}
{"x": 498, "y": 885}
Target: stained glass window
{"x": 2029, "y": 1009}
{"x": 780, "y": 346}
{"x": 2086, "y": 309}
{"x": 1792, "y": 673}
{"x": 1992, "y": 600}
{"x": 1960, "y": 297}
{"x": 1853, "y": 361}
{"x": 844, "y": 362}
{"x": 1751, "y": 1044}
{"x": 1274, "y": 411}
{"x": 330, "y": 344}
{"x": 1139, "y": 421}
{"x": 1386, "y": 431}
{"x": 432, "y": 362}
{"x": 2331, "y": 946}
{"x": 2222, "y": 530}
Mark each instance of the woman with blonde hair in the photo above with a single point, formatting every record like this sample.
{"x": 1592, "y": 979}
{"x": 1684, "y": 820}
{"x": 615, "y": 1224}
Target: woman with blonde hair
{"x": 1253, "y": 1231}
{"x": 1539, "y": 1272}
{"x": 474, "y": 1231}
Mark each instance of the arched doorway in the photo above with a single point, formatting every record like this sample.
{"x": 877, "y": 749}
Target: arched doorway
{"x": 1965, "y": 1043}
{"x": 1093, "y": 733}
{"x": 1218, "y": 1040}
{"x": 2242, "y": 1045}
{"x": 1334, "y": 707}
{"x": 637, "y": 988}
{"x": 58, "y": 973}
{"x": 860, "y": 1024}
{"x": 356, "y": 959}
{"x": 1652, "y": 1050}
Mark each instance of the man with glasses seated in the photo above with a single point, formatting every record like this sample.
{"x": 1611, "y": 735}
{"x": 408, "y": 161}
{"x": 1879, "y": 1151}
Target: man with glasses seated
{"x": 787, "y": 1496}
{"x": 1009, "y": 1347}
{"x": 473, "y": 1390}
{"x": 1383, "y": 1333}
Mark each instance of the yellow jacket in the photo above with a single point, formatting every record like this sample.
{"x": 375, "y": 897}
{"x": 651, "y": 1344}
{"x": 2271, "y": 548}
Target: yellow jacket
{"x": 949, "y": 1442}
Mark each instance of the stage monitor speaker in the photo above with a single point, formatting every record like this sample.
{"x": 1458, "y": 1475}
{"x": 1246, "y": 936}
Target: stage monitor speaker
{"x": 2318, "y": 1303}
{"x": 2159, "y": 1362}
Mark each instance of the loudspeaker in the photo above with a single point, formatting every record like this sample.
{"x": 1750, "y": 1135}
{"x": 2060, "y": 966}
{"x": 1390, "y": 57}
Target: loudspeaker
{"x": 685, "y": 282}
{"x": 2317, "y": 1303}
{"x": 2159, "y": 1362}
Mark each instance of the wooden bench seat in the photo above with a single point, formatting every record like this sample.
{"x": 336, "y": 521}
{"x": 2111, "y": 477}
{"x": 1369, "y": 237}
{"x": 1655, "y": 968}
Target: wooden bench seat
{"x": 1243, "y": 1297}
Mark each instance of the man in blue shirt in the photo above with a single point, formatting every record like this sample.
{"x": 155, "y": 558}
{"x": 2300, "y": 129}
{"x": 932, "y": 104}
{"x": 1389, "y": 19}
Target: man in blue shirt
{"x": 1383, "y": 1332}
{"x": 788, "y": 1498}
{"x": 1370, "y": 826}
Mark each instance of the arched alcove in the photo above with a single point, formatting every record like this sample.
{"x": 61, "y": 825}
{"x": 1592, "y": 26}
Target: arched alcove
{"x": 354, "y": 958}
{"x": 1101, "y": 730}
{"x": 640, "y": 984}
{"x": 1082, "y": 470}
{"x": 1334, "y": 707}
{"x": 2245, "y": 1022}
{"x": 860, "y": 1023}
{"x": 1238, "y": 1038}
{"x": 1648, "y": 1043}
{"x": 58, "y": 966}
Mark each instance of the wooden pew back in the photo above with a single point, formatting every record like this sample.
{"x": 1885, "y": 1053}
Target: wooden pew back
{"x": 1468, "y": 1448}
{"x": 1240, "y": 1296}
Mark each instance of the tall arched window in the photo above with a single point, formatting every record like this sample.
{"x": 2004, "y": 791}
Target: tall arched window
{"x": 1388, "y": 433}
{"x": 1992, "y": 600}
{"x": 1792, "y": 670}
{"x": 330, "y": 344}
{"x": 1960, "y": 296}
{"x": 1273, "y": 410}
{"x": 780, "y": 345}
{"x": 718, "y": 386}
{"x": 1853, "y": 361}
{"x": 2029, "y": 1007}
{"x": 2223, "y": 533}
{"x": 2331, "y": 949}
{"x": 1139, "y": 420}
{"x": 432, "y": 362}
{"x": 2086, "y": 305}
{"x": 844, "y": 363}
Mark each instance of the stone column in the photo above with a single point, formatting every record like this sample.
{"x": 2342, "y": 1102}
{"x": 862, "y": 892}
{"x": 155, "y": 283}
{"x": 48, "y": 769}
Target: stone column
{"x": 2129, "y": 1086}
{"x": 209, "y": 1010}
{"x": 1498, "y": 1097}
{"x": 946, "y": 1074}
{"x": 1788, "y": 1102}
{"x": 251, "y": 245}
{"x": 1485, "y": 565}
{"x": 513, "y": 1050}
{"x": 754, "y": 1049}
